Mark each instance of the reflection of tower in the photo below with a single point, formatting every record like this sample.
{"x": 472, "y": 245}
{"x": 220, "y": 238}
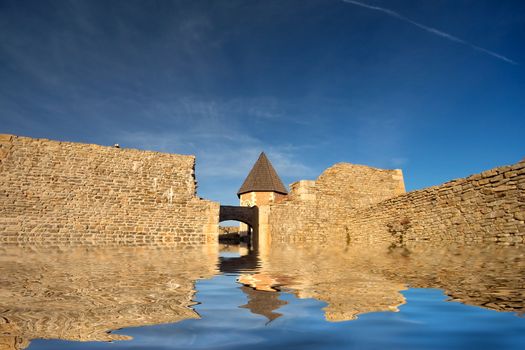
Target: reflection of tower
{"x": 261, "y": 188}
{"x": 263, "y": 297}
{"x": 263, "y": 302}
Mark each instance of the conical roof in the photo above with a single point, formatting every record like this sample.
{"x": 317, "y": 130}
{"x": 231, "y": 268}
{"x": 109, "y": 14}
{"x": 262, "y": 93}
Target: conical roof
{"x": 262, "y": 178}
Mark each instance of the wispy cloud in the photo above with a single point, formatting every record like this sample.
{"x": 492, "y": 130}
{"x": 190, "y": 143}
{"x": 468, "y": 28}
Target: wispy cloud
{"x": 431, "y": 30}
{"x": 216, "y": 132}
{"x": 219, "y": 156}
{"x": 222, "y": 162}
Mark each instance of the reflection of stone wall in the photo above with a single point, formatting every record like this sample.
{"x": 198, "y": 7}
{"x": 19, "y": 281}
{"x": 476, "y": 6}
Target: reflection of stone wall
{"x": 487, "y": 206}
{"x": 13, "y": 343}
{"x": 312, "y": 206}
{"x": 489, "y": 276}
{"x": 356, "y": 279}
{"x": 344, "y": 279}
{"x": 80, "y": 294}
{"x": 64, "y": 193}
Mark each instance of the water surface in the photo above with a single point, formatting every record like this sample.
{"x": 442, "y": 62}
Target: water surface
{"x": 417, "y": 296}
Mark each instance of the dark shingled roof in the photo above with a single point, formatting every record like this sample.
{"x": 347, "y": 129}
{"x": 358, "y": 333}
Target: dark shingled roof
{"x": 262, "y": 178}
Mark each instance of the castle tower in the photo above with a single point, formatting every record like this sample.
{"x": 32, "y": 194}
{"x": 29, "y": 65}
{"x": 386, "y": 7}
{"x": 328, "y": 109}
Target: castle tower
{"x": 261, "y": 188}
{"x": 262, "y": 185}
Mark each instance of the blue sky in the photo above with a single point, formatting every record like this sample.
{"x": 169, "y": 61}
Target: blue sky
{"x": 436, "y": 88}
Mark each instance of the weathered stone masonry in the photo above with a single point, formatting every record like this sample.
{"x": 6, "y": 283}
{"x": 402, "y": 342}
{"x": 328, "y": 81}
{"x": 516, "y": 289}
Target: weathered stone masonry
{"x": 70, "y": 193}
{"x": 315, "y": 210}
{"x": 341, "y": 205}
{"x": 489, "y": 206}
{"x": 64, "y": 192}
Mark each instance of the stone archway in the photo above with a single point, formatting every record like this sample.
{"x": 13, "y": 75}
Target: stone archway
{"x": 247, "y": 215}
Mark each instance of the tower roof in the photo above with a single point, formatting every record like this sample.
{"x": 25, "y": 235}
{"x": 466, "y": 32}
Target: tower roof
{"x": 262, "y": 178}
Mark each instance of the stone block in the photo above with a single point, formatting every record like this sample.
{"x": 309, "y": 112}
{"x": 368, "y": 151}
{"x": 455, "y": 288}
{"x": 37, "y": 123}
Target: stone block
{"x": 6, "y": 137}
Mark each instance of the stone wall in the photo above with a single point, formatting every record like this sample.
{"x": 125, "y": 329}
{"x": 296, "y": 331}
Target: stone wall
{"x": 485, "y": 207}
{"x": 251, "y": 199}
{"x": 66, "y": 193}
{"x": 357, "y": 186}
{"x": 224, "y": 230}
{"x": 313, "y": 208}
{"x": 489, "y": 206}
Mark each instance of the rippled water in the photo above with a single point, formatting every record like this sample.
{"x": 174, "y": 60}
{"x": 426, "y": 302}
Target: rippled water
{"x": 418, "y": 296}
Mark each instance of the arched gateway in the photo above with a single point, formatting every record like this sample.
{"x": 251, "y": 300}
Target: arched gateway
{"x": 247, "y": 215}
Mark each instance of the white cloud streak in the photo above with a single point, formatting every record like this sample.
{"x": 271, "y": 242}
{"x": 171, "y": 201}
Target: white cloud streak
{"x": 215, "y": 131}
{"x": 224, "y": 157}
{"x": 431, "y": 30}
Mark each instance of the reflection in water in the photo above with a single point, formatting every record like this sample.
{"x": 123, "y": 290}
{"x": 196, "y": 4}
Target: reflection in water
{"x": 263, "y": 303}
{"x": 82, "y": 294}
{"x": 354, "y": 280}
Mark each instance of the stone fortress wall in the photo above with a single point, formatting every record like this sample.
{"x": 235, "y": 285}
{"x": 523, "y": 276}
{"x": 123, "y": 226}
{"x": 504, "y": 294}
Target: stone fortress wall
{"x": 489, "y": 206}
{"x": 315, "y": 209}
{"x": 57, "y": 193}
{"x": 62, "y": 192}
{"x": 356, "y": 203}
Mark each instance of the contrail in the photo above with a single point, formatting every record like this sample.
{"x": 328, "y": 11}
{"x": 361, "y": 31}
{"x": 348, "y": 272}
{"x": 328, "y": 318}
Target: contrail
{"x": 430, "y": 29}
